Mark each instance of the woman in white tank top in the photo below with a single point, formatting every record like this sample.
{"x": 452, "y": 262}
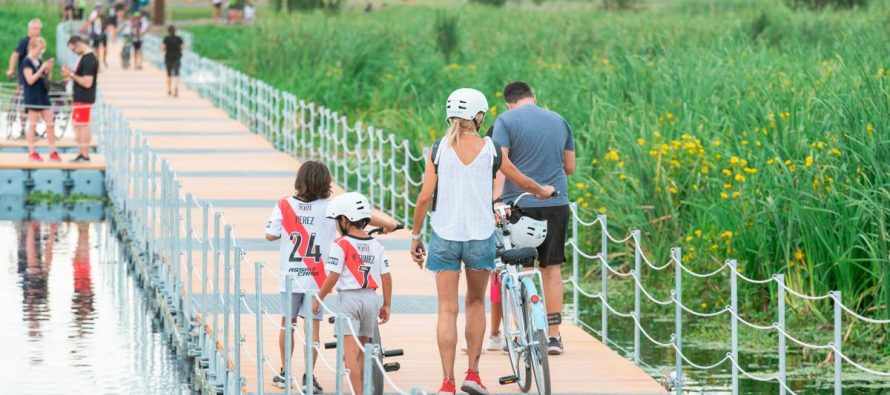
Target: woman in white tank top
{"x": 459, "y": 176}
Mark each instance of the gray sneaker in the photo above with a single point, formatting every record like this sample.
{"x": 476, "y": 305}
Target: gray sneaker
{"x": 278, "y": 380}
{"x": 554, "y": 346}
{"x": 316, "y": 387}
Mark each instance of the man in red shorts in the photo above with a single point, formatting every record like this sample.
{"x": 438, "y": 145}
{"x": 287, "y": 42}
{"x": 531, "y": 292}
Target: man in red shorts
{"x": 84, "y": 77}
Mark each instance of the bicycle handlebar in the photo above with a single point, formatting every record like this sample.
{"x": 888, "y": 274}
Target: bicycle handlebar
{"x": 380, "y": 230}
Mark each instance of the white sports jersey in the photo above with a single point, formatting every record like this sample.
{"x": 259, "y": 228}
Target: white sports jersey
{"x": 304, "y": 232}
{"x": 361, "y": 262}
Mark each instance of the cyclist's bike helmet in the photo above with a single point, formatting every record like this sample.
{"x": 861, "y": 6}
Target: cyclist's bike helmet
{"x": 465, "y": 103}
{"x": 352, "y": 205}
{"x": 527, "y": 232}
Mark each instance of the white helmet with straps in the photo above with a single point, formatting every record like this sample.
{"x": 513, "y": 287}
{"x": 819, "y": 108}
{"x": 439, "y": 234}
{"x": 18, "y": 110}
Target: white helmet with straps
{"x": 465, "y": 103}
{"x": 527, "y": 232}
{"x": 353, "y": 205}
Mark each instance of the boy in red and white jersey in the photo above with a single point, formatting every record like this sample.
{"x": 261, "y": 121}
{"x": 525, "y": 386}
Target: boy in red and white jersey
{"x": 357, "y": 266}
{"x": 305, "y": 232}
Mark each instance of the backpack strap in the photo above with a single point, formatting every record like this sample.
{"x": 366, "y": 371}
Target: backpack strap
{"x": 434, "y": 157}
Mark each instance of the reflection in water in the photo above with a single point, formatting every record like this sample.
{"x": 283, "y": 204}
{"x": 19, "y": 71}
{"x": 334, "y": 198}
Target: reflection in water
{"x": 78, "y": 320}
{"x": 82, "y": 302}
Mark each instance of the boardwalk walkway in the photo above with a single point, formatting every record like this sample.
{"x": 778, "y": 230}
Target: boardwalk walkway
{"x": 219, "y": 160}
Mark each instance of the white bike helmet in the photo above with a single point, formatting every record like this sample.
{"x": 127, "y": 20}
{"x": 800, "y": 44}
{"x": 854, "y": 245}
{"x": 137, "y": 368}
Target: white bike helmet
{"x": 465, "y": 103}
{"x": 527, "y": 232}
{"x": 352, "y": 205}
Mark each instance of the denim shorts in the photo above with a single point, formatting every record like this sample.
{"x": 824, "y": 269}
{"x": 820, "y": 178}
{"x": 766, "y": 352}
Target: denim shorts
{"x": 446, "y": 255}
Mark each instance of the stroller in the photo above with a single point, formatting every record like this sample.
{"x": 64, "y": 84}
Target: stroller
{"x": 126, "y": 51}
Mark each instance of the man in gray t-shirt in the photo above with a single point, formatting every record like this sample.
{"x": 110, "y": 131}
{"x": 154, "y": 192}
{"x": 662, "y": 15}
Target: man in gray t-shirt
{"x": 540, "y": 143}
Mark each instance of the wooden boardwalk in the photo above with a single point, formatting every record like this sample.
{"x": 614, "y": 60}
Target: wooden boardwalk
{"x": 219, "y": 160}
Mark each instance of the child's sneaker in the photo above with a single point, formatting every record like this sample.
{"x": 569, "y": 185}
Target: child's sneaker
{"x": 447, "y": 388}
{"x": 495, "y": 342}
{"x": 473, "y": 384}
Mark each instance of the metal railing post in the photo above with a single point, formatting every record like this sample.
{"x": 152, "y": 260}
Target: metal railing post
{"x": 838, "y": 362}
{"x": 216, "y": 295}
{"x": 780, "y": 280}
{"x": 338, "y": 330}
{"x": 734, "y": 324}
{"x": 604, "y": 252}
{"x": 309, "y": 350}
{"x": 678, "y": 318}
{"x": 637, "y": 285}
{"x": 227, "y": 298}
{"x": 576, "y": 267}
{"x": 188, "y": 259}
{"x": 288, "y": 332}
{"x": 371, "y": 351}
{"x": 236, "y": 313}
{"x": 257, "y": 276}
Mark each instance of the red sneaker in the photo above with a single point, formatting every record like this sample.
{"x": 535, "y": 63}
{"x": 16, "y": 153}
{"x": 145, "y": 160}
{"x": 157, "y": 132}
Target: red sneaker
{"x": 447, "y": 388}
{"x": 473, "y": 384}
{"x": 35, "y": 157}
{"x": 54, "y": 157}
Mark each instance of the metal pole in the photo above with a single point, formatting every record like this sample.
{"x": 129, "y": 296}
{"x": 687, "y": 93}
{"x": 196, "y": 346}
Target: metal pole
{"x": 259, "y": 325}
{"x": 604, "y": 253}
{"x": 227, "y": 299}
{"x": 734, "y": 322}
{"x": 576, "y": 269}
{"x": 205, "y": 238}
{"x": 216, "y": 220}
{"x": 371, "y": 351}
{"x": 638, "y": 274}
{"x": 338, "y": 330}
{"x": 838, "y": 385}
{"x": 288, "y": 333}
{"x": 780, "y": 279}
{"x": 188, "y": 259}
{"x": 308, "y": 322}
{"x": 678, "y": 318}
{"x": 237, "y": 314}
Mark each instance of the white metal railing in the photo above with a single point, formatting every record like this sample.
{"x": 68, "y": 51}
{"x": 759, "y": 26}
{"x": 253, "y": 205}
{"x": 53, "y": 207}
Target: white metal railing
{"x": 641, "y": 294}
{"x": 361, "y": 157}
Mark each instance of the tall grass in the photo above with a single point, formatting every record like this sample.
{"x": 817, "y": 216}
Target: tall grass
{"x": 758, "y": 133}
{"x": 14, "y": 17}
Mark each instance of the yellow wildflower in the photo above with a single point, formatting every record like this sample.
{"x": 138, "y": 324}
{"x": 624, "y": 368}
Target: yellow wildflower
{"x": 770, "y": 161}
{"x": 798, "y": 255}
{"x": 602, "y": 210}
{"x": 726, "y": 235}
{"x": 724, "y": 195}
{"x": 727, "y": 172}
{"x": 640, "y": 141}
{"x": 669, "y": 115}
{"x": 585, "y": 205}
{"x": 612, "y": 155}
{"x": 494, "y": 110}
{"x": 581, "y": 185}
{"x": 809, "y": 161}
{"x": 739, "y": 177}
{"x": 734, "y": 160}
{"x": 697, "y": 233}
{"x": 727, "y": 186}
{"x": 705, "y": 170}
{"x": 870, "y": 129}
{"x": 621, "y": 164}
{"x": 835, "y": 152}
{"x": 622, "y": 177}
{"x": 750, "y": 170}
{"x": 657, "y": 135}
{"x": 673, "y": 190}
{"x": 704, "y": 305}
{"x": 716, "y": 143}
{"x": 735, "y": 195}
{"x": 688, "y": 238}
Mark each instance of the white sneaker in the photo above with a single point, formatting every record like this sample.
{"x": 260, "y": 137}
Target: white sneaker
{"x": 495, "y": 343}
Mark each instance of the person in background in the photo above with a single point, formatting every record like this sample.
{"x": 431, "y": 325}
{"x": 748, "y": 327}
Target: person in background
{"x": 217, "y": 10}
{"x": 95, "y": 26}
{"x": 172, "y": 47}
{"x": 67, "y": 10}
{"x": 138, "y": 26}
{"x": 84, "y": 77}
{"x": 110, "y": 25}
{"x": 249, "y": 12}
{"x": 37, "y": 105}
{"x": 35, "y": 27}
{"x": 541, "y": 144}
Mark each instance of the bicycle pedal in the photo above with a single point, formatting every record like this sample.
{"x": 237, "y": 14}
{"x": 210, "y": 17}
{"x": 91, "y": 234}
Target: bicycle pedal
{"x": 508, "y": 380}
{"x": 392, "y": 367}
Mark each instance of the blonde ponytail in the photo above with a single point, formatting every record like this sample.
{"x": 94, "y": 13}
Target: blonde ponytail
{"x": 454, "y": 130}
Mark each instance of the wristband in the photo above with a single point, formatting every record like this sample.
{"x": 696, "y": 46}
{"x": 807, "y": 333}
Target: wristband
{"x": 415, "y": 237}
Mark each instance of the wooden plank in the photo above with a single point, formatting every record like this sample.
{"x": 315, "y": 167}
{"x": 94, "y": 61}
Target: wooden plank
{"x": 63, "y": 143}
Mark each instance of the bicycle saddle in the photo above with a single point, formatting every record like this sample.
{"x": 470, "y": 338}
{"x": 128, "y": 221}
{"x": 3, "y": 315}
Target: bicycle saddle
{"x": 520, "y": 256}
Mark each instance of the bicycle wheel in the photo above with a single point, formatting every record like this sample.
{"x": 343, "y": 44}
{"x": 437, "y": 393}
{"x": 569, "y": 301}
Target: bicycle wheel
{"x": 536, "y": 358}
{"x": 514, "y": 334}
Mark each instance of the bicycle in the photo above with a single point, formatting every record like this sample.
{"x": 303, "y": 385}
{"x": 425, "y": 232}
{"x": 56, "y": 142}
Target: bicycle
{"x": 524, "y": 313}
{"x": 377, "y": 376}
{"x": 16, "y": 122}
